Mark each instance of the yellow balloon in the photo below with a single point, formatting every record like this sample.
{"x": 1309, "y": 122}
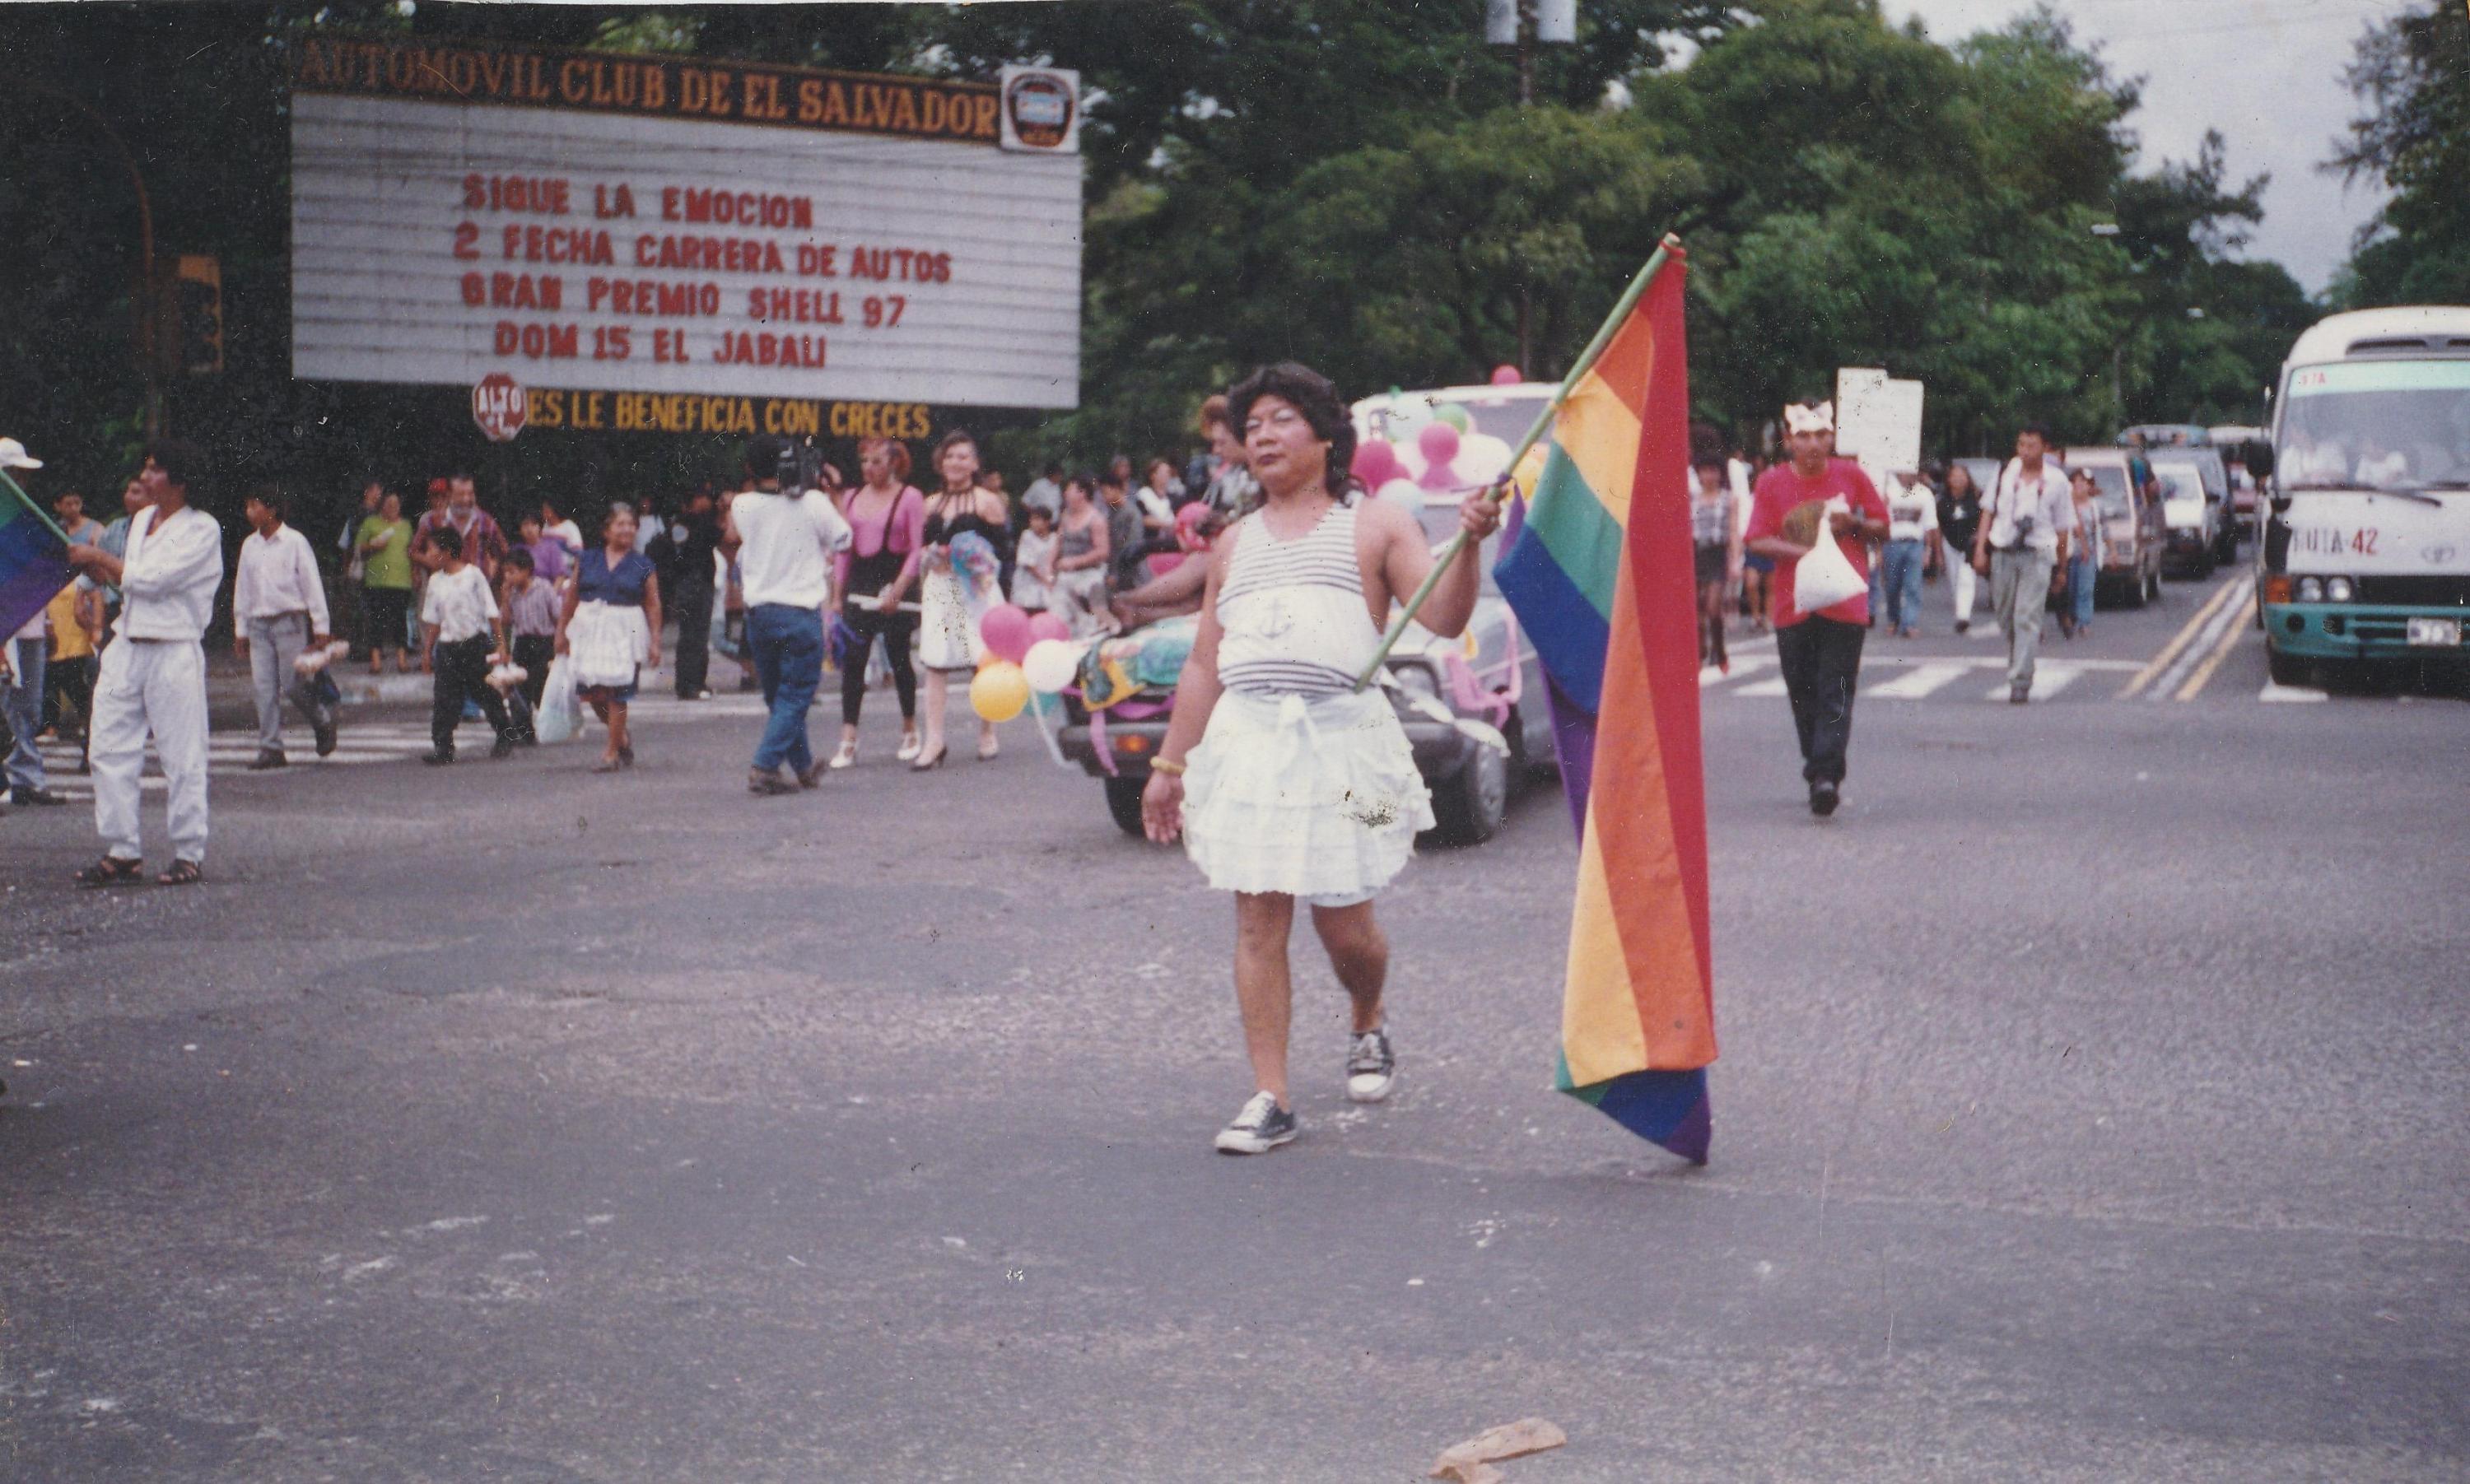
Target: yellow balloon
{"x": 999, "y": 692}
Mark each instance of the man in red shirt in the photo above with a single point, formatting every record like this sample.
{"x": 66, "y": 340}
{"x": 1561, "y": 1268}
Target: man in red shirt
{"x": 1820, "y": 653}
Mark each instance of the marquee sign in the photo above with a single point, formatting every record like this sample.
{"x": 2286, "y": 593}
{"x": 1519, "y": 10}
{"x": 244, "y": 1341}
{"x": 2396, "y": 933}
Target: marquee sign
{"x": 664, "y": 225}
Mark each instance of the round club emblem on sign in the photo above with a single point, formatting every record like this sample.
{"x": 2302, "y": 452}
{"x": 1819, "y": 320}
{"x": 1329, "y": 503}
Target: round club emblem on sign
{"x": 1040, "y": 105}
{"x": 498, "y": 407}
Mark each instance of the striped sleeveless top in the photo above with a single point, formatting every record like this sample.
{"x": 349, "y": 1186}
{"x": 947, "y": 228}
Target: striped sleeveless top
{"x": 1293, "y": 612}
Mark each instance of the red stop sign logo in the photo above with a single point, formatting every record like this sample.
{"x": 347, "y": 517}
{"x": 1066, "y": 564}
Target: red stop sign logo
{"x": 498, "y": 407}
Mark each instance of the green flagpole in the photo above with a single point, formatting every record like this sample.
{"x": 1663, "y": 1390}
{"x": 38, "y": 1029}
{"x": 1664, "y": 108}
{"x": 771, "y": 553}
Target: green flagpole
{"x": 40, "y": 514}
{"x": 1578, "y": 370}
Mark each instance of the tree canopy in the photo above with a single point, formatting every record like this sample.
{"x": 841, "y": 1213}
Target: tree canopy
{"x": 2413, "y": 74}
{"x": 1354, "y": 183}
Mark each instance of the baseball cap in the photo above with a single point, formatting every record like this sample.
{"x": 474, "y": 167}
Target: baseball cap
{"x": 12, "y": 455}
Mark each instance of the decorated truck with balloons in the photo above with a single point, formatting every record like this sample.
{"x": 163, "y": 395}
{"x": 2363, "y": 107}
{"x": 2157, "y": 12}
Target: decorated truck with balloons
{"x": 1473, "y": 707}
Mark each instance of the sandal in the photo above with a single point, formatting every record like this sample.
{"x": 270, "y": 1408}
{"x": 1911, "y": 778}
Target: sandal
{"x": 605, "y": 765}
{"x": 181, "y": 874}
{"x": 111, "y": 871}
{"x": 847, "y": 756}
{"x": 988, "y": 748}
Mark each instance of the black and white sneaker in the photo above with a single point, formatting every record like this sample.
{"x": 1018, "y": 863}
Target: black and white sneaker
{"x": 1262, "y": 1126}
{"x": 1371, "y": 1067}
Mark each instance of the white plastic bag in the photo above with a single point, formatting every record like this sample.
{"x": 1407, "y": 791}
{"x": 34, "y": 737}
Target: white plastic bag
{"x": 560, "y": 716}
{"x": 1825, "y": 577}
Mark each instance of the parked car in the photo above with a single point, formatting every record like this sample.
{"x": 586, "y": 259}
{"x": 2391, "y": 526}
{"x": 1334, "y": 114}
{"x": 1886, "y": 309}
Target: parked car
{"x": 2196, "y": 503}
{"x": 1472, "y": 708}
{"x": 2134, "y": 531}
{"x": 2166, "y": 435}
{"x": 2233, "y": 442}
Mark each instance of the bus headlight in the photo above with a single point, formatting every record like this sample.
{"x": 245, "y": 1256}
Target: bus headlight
{"x": 2309, "y": 591}
{"x": 2338, "y": 590}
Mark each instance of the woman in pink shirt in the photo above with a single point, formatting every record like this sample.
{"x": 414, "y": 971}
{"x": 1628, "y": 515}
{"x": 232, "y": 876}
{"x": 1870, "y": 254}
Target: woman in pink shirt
{"x": 887, "y": 518}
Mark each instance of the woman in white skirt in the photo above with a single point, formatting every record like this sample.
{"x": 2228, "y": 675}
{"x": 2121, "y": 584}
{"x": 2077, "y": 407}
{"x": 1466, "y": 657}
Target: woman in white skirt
{"x": 948, "y": 626}
{"x": 1283, "y": 780}
{"x": 610, "y": 629}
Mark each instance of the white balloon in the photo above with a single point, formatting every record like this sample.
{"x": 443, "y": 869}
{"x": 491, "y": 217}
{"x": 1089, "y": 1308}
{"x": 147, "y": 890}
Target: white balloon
{"x": 1050, "y": 665}
{"x": 1405, "y": 493}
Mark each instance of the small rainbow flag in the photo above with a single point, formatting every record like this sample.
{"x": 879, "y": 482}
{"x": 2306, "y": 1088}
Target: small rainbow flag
{"x": 33, "y": 558}
{"x": 1600, "y": 572}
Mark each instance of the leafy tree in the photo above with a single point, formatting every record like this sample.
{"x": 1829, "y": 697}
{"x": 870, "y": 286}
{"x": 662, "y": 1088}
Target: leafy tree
{"x": 2413, "y": 73}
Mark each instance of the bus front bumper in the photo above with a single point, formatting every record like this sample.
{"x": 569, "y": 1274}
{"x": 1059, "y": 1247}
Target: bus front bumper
{"x": 2364, "y": 631}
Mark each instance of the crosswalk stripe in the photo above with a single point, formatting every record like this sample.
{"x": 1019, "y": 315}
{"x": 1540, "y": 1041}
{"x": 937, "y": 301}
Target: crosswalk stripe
{"x": 1742, "y": 668}
{"x": 2277, "y": 692}
{"x": 1923, "y": 679}
{"x": 1773, "y": 687}
{"x": 2049, "y": 678}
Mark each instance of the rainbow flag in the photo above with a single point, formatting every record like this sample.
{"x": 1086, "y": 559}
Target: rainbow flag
{"x": 1599, "y": 571}
{"x": 33, "y": 558}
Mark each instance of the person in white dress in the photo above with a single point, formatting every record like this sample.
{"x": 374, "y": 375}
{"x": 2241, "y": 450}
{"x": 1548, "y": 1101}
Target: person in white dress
{"x": 1283, "y": 780}
{"x": 152, "y": 679}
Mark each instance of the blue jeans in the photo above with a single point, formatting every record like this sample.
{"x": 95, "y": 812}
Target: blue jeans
{"x": 1900, "y": 576}
{"x": 23, "y": 701}
{"x": 2080, "y": 581}
{"x": 788, "y": 644}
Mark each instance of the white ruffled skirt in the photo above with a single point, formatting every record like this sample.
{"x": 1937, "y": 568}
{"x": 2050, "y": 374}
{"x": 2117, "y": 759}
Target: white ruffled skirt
{"x": 608, "y": 643}
{"x": 1315, "y": 797}
{"x": 947, "y": 635}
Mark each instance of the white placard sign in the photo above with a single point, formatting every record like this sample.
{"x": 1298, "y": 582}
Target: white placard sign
{"x": 716, "y": 230}
{"x": 1878, "y": 422}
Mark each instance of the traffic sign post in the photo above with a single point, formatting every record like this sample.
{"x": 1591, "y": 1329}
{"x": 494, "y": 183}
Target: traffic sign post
{"x": 498, "y": 407}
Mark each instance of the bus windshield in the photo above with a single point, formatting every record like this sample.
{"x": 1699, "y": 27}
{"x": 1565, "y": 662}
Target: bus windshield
{"x": 2376, "y": 424}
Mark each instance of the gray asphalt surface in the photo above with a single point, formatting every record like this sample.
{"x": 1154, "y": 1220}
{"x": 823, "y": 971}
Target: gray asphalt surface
{"x": 2091, "y": 1107}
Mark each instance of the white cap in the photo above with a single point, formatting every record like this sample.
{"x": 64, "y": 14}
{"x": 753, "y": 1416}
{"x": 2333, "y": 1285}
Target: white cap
{"x": 12, "y": 455}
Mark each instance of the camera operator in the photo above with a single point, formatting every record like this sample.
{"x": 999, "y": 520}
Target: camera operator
{"x": 782, "y": 539}
{"x": 2021, "y": 545}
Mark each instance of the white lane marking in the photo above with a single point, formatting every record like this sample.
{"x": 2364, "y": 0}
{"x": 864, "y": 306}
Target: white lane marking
{"x": 1923, "y": 679}
{"x": 2232, "y": 612}
{"x": 2049, "y": 678}
{"x": 1764, "y": 687}
{"x": 1742, "y": 668}
{"x": 2274, "y": 692}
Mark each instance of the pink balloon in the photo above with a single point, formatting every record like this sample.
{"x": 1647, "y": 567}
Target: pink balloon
{"x": 1440, "y": 442}
{"x": 1505, "y": 375}
{"x": 1376, "y": 463}
{"x": 1006, "y": 631}
{"x": 1043, "y": 625}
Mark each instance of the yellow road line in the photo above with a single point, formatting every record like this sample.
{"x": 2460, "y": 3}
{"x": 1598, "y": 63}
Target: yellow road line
{"x": 2179, "y": 640}
{"x": 2236, "y": 632}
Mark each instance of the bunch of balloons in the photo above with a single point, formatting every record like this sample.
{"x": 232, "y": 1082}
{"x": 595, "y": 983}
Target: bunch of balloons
{"x": 1023, "y": 652}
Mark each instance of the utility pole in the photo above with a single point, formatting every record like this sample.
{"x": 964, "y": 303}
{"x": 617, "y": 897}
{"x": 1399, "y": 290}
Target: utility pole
{"x": 1522, "y": 24}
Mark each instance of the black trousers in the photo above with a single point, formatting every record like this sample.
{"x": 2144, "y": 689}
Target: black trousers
{"x": 694, "y": 608}
{"x": 462, "y": 674}
{"x": 896, "y": 630}
{"x": 534, "y": 652}
{"x": 68, "y": 684}
{"x": 1821, "y": 659}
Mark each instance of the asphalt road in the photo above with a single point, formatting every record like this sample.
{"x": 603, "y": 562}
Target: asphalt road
{"x": 2091, "y": 1107}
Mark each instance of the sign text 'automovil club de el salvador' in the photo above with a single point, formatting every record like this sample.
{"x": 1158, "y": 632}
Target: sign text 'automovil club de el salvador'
{"x": 665, "y": 238}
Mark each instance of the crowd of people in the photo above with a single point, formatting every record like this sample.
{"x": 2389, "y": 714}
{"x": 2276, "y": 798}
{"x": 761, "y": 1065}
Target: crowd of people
{"x": 461, "y": 594}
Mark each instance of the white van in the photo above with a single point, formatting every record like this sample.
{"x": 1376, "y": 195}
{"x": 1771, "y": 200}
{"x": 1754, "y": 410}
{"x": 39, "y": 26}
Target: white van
{"x": 2365, "y": 552}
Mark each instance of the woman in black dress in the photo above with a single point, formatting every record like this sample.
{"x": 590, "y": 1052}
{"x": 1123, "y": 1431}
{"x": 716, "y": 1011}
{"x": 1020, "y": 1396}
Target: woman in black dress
{"x": 947, "y": 631}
